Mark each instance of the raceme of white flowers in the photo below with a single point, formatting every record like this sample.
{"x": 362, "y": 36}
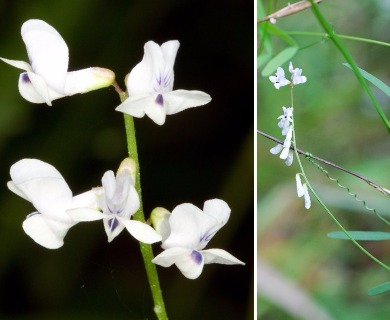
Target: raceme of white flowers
{"x": 279, "y": 79}
{"x": 46, "y": 77}
{"x": 285, "y": 123}
{"x": 186, "y": 232}
{"x": 150, "y": 86}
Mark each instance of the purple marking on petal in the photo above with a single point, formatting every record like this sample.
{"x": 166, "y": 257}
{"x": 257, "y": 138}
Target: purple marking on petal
{"x": 25, "y": 77}
{"x": 113, "y": 223}
{"x": 196, "y": 256}
{"x": 206, "y": 237}
{"x": 160, "y": 100}
{"x": 32, "y": 214}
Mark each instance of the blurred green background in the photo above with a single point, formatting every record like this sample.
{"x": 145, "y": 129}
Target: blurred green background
{"x": 334, "y": 120}
{"x": 197, "y": 155}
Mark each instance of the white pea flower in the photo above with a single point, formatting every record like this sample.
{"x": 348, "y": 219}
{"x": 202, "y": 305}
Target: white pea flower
{"x": 119, "y": 201}
{"x": 150, "y": 86}
{"x": 297, "y": 77}
{"x": 42, "y": 185}
{"x": 303, "y": 191}
{"x": 46, "y": 77}
{"x": 285, "y": 153}
{"x": 279, "y": 79}
{"x": 188, "y": 231}
{"x": 285, "y": 120}
{"x": 285, "y": 123}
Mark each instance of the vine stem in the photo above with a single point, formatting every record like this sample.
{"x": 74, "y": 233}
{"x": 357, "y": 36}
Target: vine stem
{"x": 146, "y": 249}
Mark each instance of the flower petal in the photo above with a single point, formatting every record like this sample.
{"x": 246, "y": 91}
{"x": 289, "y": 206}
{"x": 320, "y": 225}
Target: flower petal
{"x": 185, "y": 223}
{"x": 191, "y": 266}
{"x": 28, "y": 91}
{"x": 290, "y": 158}
{"x": 88, "y": 199}
{"x": 189, "y": 262}
{"x": 285, "y": 153}
{"x": 112, "y": 226}
{"x": 109, "y": 183}
{"x": 85, "y": 214}
{"x": 169, "y": 50}
{"x": 141, "y": 231}
{"x": 218, "y": 209}
{"x": 169, "y": 256}
{"x": 276, "y": 149}
{"x": 218, "y": 213}
{"x": 18, "y": 64}
{"x": 33, "y": 88}
{"x": 47, "y": 51}
{"x": 12, "y": 187}
{"x": 43, "y": 185}
{"x": 44, "y": 231}
{"x": 179, "y": 100}
{"x": 300, "y": 189}
{"x": 156, "y": 112}
{"x": 306, "y": 196}
{"x": 219, "y": 256}
{"x": 135, "y": 105}
{"x": 86, "y": 80}
{"x": 141, "y": 77}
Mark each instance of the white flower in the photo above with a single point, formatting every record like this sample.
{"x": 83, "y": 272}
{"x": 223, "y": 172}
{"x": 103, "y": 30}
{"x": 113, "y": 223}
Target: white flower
{"x": 285, "y": 120}
{"x": 190, "y": 230}
{"x": 47, "y": 77}
{"x": 42, "y": 185}
{"x": 119, "y": 201}
{"x": 303, "y": 191}
{"x": 285, "y": 123}
{"x": 296, "y": 78}
{"x": 285, "y": 153}
{"x": 150, "y": 85}
{"x": 279, "y": 80}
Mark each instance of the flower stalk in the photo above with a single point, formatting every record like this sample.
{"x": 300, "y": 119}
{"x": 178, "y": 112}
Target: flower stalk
{"x": 146, "y": 249}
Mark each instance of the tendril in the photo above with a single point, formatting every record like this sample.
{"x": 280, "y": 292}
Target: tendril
{"x": 351, "y": 193}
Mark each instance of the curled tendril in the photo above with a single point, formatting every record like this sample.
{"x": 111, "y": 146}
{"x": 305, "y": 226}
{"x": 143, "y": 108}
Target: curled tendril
{"x": 362, "y": 201}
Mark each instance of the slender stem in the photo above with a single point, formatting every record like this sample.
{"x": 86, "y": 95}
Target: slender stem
{"x": 341, "y": 36}
{"x": 146, "y": 249}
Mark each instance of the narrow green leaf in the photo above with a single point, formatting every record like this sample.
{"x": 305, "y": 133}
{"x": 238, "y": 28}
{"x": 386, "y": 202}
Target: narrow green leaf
{"x": 382, "y": 288}
{"x": 361, "y": 235}
{"x": 282, "y": 57}
{"x": 374, "y": 80}
{"x": 282, "y": 35}
{"x": 264, "y": 51}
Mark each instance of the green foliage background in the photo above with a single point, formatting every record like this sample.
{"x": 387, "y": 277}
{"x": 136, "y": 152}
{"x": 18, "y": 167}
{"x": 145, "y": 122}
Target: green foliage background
{"x": 334, "y": 120}
{"x": 197, "y": 155}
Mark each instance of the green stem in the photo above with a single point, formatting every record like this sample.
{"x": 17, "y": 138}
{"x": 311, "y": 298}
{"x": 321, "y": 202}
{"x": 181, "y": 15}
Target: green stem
{"x": 341, "y": 36}
{"x": 332, "y": 35}
{"x": 146, "y": 249}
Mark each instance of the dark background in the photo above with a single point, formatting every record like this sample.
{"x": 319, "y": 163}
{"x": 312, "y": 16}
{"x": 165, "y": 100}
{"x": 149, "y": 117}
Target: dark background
{"x": 197, "y": 155}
